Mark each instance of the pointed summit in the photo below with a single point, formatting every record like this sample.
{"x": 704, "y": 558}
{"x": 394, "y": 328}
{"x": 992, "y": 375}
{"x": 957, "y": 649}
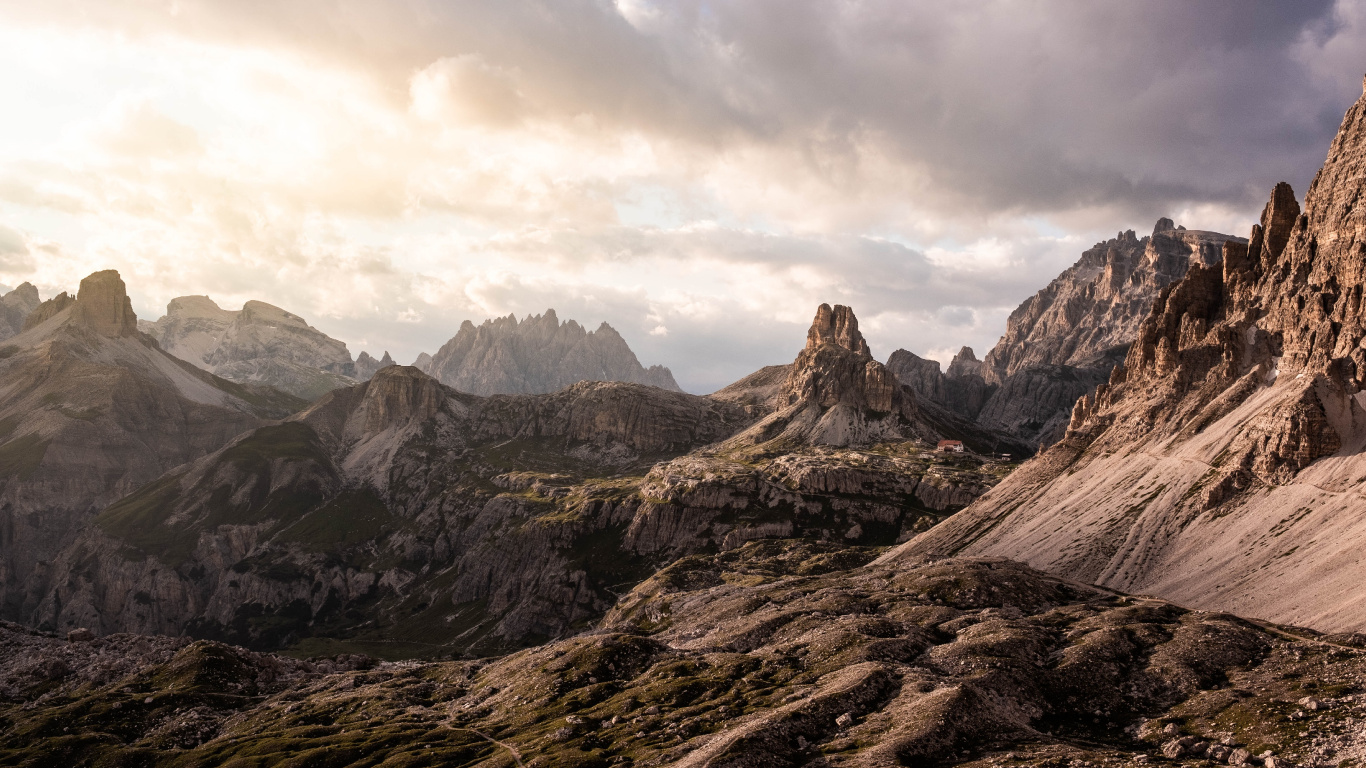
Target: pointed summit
{"x": 539, "y": 354}
{"x": 965, "y": 363}
{"x": 836, "y": 326}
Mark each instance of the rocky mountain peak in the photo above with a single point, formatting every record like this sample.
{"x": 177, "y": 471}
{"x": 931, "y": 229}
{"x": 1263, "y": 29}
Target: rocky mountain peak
{"x": 399, "y": 394}
{"x": 1164, "y": 224}
{"x": 1240, "y": 399}
{"x": 536, "y": 355}
{"x": 259, "y": 312}
{"x": 25, "y": 293}
{"x": 198, "y": 307}
{"x": 836, "y": 326}
{"x": 102, "y": 306}
{"x": 965, "y": 363}
{"x": 15, "y": 307}
{"x": 836, "y": 367}
{"x": 367, "y": 365}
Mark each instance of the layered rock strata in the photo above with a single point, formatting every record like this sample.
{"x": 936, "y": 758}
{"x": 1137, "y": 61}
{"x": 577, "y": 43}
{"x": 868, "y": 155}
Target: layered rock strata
{"x": 259, "y": 344}
{"x": 1218, "y": 465}
{"x": 15, "y": 308}
{"x": 536, "y": 355}
{"x": 89, "y": 410}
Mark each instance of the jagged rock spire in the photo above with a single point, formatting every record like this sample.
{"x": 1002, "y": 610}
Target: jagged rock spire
{"x": 836, "y": 326}
{"x": 837, "y": 368}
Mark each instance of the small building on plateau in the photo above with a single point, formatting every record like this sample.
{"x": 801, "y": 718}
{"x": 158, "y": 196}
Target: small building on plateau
{"x": 950, "y": 446}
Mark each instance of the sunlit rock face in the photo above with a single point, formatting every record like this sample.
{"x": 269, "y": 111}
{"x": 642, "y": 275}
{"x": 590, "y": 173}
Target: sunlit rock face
{"x": 1219, "y": 464}
{"x": 259, "y": 344}
{"x": 538, "y": 354}
{"x": 1061, "y": 343}
{"x": 89, "y": 410}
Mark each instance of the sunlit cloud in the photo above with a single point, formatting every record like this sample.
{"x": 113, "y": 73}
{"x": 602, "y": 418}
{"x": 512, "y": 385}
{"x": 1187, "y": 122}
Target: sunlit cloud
{"x": 698, "y": 175}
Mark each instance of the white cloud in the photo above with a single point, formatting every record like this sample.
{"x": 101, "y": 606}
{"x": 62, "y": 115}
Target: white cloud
{"x": 699, "y": 175}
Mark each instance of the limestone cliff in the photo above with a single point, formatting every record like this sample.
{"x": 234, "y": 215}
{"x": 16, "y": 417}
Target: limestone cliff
{"x": 406, "y": 510}
{"x": 1063, "y": 341}
{"x": 536, "y": 355}
{"x": 259, "y": 344}
{"x": 962, "y": 389}
{"x": 89, "y": 410}
{"x": 1219, "y": 464}
{"x": 15, "y": 308}
{"x": 1097, "y": 304}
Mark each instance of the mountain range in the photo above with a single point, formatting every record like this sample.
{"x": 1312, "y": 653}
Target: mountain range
{"x": 1219, "y": 463}
{"x": 800, "y": 569}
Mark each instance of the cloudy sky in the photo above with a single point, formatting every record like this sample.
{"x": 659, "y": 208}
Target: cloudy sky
{"x": 700, "y": 173}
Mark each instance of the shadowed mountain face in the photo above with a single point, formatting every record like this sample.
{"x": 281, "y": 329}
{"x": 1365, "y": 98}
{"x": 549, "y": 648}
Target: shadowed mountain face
{"x": 440, "y": 521}
{"x": 537, "y": 355}
{"x": 15, "y": 307}
{"x": 89, "y": 410}
{"x": 1220, "y": 464}
{"x": 1062, "y": 343}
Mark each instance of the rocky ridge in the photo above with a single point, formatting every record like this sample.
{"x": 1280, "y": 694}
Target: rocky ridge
{"x": 259, "y": 344}
{"x": 454, "y": 522}
{"x": 367, "y": 366}
{"x": 778, "y": 653}
{"x": 89, "y": 410}
{"x": 1062, "y": 343}
{"x": 1217, "y": 466}
{"x": 536, "y": 355}
{"x": 1091, "y": 313}
{"x": 15, "y": 308}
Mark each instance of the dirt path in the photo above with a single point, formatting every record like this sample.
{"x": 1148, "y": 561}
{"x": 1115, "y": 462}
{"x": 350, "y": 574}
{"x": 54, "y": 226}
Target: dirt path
{"x": 516, "y": 756}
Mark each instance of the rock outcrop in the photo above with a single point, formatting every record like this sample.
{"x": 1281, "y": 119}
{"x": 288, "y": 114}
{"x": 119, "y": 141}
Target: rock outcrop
{"x": 1096, "y": 306}
{"x": 777, "y": 653}
{"x": 962, "y": 390}
{"x": 539, "y": 354}
{"x": 259, "y": 344}
{"x": 1218, "y": 465}
{"x": 367, "y": 366}
{"x": 507, "y": 517}
{"x": 102, "y": 306}
{"x": 191, "y": 328}
{"x": 89, "y": 410}
{"x": 15, "y": 308}
{"x": 1062, "y": 342}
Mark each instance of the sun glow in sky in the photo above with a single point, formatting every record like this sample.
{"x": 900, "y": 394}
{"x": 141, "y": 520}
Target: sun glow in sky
{"x": 698, "y": 174}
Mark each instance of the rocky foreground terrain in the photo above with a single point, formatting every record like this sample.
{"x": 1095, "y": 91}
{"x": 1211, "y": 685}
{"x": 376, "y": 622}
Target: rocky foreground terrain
{"x": 1221, "y": 465}
{"x": 779, "y": 653}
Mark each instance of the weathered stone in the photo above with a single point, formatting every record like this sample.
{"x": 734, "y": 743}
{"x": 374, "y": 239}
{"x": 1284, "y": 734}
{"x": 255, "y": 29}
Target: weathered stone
{"x": 15, "y": 307}
{"x": 103, "y": 306}
{"x": 1253, "y": 372}
{"x": 539, "y": 354}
